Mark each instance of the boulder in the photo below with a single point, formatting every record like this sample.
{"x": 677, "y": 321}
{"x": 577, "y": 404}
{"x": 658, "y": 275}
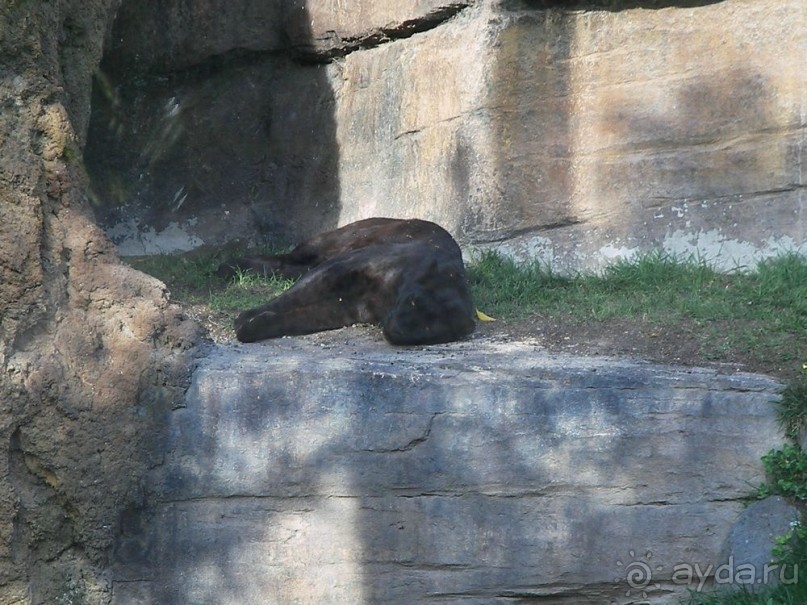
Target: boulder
{"x": 340, "y": 470}
{"x": 747, "y": 557}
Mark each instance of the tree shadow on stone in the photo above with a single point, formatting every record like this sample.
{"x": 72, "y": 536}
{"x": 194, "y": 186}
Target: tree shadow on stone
{"x": 713, "y": 154}
{"x": 605, "y": 150}
{"x": 393, "y": 478}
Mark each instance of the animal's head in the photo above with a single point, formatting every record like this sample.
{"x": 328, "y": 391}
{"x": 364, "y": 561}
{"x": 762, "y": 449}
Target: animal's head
{"x": 430, "y": 314}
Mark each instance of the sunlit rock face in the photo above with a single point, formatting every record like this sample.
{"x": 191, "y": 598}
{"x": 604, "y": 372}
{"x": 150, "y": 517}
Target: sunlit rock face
{"x": 579, "y": 137}
{"x": 573, "y": 136}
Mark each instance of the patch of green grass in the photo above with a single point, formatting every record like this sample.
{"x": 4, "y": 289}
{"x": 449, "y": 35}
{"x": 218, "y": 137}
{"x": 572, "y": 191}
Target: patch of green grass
{"x": 502, "y": 287}
{"x": 786, "y": 469}
{"x": 650, "y": 286}
{"x": 192, "y": 280}
{"x": 247, "y": 290}
{"x": 654, "y": 285}
{"x": 759, "y": 315}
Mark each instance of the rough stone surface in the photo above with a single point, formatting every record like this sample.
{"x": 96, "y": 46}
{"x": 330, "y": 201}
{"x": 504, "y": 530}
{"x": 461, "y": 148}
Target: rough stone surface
{"x": 328, "y": 28}
{"x": 341, "y": 470}
{"x": 578, "y": 137}
{"x": 158, "y": 37}
{"x": 198, "y": 139}
{"x": 89, "y": 349}
{"x": 573, "y": 136}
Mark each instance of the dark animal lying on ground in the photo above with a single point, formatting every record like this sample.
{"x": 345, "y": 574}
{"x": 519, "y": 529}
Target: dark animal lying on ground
{"x": 407, "y": 275}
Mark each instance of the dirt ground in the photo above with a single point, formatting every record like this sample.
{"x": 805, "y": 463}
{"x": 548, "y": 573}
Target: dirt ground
{"x": 676, "y": 345}
{"x": 680, "y": 345}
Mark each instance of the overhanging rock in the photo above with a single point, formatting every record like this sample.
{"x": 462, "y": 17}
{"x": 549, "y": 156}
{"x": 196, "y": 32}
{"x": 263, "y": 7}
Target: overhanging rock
{"x": 313, "y": 471}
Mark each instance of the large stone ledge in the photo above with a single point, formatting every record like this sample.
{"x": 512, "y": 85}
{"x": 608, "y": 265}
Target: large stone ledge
{"x": 325, "y": 471}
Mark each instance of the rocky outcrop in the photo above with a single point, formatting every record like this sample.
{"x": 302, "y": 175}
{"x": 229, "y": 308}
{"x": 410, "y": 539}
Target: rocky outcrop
{"x": 337, "y": 470}
{"x": 90, "y": 351}
{"x": 569, "y": 134}
{"x": 320, "y": 31}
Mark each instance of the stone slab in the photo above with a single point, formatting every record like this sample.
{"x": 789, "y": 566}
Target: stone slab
{"x": 337, "y": 469}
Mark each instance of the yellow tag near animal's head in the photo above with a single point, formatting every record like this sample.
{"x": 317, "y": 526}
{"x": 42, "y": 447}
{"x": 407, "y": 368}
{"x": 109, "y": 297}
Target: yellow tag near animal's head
{"x": 482, "y": 317}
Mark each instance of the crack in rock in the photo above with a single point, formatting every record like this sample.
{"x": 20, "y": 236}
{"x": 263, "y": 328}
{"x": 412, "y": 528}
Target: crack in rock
{"x": 413, "y": 443}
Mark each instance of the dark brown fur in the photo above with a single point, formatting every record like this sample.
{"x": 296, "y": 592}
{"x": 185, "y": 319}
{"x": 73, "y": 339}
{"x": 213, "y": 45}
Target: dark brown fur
{"x": 407, "y": 275}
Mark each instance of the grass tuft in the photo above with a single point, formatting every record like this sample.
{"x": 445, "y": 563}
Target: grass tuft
{"x": 502, "y": 286}
{"x": 793, "y": 407}
{"x": 247, "y": 290}
{"x": 193, "y": 281}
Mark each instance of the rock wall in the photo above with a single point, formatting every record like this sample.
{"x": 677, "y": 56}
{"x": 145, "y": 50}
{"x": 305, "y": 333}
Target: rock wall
{"x": 573, "y": 135}
{"x": 339, "y": 470}
{"x": 90, "y": 351}
{"x": 579, "y": 136}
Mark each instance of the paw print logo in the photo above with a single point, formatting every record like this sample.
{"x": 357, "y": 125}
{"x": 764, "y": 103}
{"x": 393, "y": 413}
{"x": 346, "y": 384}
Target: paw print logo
{"x": 638, "y": 572}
